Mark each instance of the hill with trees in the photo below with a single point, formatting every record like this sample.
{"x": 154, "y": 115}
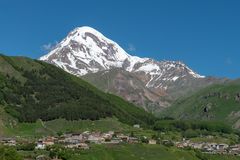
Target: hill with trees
{"x": 31, "y": 90}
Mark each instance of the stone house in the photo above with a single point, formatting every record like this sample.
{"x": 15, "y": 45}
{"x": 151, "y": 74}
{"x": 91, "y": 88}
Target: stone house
{"x": 152, "y": 141}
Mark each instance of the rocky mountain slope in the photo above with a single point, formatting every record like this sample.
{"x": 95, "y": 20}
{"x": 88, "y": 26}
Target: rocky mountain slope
{"x": 85, "y": 52}
{"x": 128, "y": 86}
{"x": 131, "y": 87}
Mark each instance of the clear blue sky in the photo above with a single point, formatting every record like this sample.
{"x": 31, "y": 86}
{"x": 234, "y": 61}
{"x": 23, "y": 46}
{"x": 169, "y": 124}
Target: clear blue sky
{"x": 204, "y": 34}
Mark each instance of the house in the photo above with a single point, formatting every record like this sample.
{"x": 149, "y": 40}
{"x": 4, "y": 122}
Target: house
{"x": 213, "y": 145}
{"x": 78, "y": 146}
{"x": 95, "y": 138}
{"x": 8, "y": 142}
{"x": 71, "y": 140}
{"x": 209, "y": 149}
{"x": 107, "y": 136}
{"x": 61, "y": 140}
{"x": 40, "y": 145}
{"x": 49, "y": 141}
{"x": 234, "y": 150}
{"x": 77, "y": 136}
{"x": 205, "y": 147}
{"x": 179, "y": 145}
{"x": 132, "y": 140}
{"x": 123, "y": 137}
{"x": 113, "y": 141}
{"x": 222, "y": 146}
{"x": 152, "y": 141}
{"x": 136, "y": 126}
{"x": 197, "y": 145}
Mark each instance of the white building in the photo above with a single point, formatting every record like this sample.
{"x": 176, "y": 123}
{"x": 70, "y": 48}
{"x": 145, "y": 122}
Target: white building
{"x": 40, "y": 145}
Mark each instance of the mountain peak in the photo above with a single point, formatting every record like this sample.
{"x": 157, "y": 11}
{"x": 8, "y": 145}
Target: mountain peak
{"x": 85, "y": 50}
{"x": 88, "y": 29}
{"x": 81, "y": 32}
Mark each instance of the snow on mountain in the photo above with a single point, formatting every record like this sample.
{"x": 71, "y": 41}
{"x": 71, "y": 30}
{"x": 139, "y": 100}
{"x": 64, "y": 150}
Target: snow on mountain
{"x": 85, "y": 50}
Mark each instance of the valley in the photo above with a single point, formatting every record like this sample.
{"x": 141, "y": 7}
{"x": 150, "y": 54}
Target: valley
{"x": 119, "y": 80}
{"x": 42, "y": 104}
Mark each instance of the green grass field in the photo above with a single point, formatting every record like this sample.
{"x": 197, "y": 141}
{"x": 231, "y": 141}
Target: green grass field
{"x": 222, "y": 157}
{"x": 131, "y": 152}
{"x": 40, "y": 128}
{"x": 135, "y": 152}
{"x": 143, "y": 152}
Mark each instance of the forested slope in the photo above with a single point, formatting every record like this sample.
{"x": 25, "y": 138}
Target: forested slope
{"x": 31, "y": 90}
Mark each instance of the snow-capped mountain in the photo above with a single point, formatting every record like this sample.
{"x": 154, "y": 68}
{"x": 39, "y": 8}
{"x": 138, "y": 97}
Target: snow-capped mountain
{"x": 85, "y": 50}
{"x": 146, "y": 82}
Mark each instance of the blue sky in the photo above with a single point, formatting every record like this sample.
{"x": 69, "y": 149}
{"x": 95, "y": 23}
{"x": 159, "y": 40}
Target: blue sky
{"x": 203, "y": 34}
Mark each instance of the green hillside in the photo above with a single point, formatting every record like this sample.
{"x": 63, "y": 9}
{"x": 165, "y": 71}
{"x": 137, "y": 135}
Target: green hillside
{"x": 144, "y": 152}
{"x": 32, "y": 90}
{"x": 125, "y": 152}
{"x": 217, "y": 102}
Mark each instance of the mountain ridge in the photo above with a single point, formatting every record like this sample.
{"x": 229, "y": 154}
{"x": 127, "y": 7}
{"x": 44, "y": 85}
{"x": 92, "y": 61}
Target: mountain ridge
{"x": 90, "y": 46}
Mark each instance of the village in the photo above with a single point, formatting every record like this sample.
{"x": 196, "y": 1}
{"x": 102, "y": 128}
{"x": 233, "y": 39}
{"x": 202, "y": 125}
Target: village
{"x": 79, "y": 140}
{"x": 85, "y": 139}
{"x": 210, "y": 147}
{"x": 82, "y": 140}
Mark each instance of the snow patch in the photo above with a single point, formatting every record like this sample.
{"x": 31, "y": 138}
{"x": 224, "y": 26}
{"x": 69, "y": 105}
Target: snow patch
{"x": 175, "y": 78}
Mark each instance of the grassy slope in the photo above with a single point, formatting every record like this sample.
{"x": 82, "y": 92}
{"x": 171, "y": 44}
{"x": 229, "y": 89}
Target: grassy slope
{"x": 219, "y": 107}
{"x": 131, "y": 152}
{"x": 124, "y": 111}
{"x": 41, "y": 128}
{"x": 135, "y": 152}
{"x": 222, "y": 157}
{"x": 10, "y": 126}
{"x": 140, "y": 152}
